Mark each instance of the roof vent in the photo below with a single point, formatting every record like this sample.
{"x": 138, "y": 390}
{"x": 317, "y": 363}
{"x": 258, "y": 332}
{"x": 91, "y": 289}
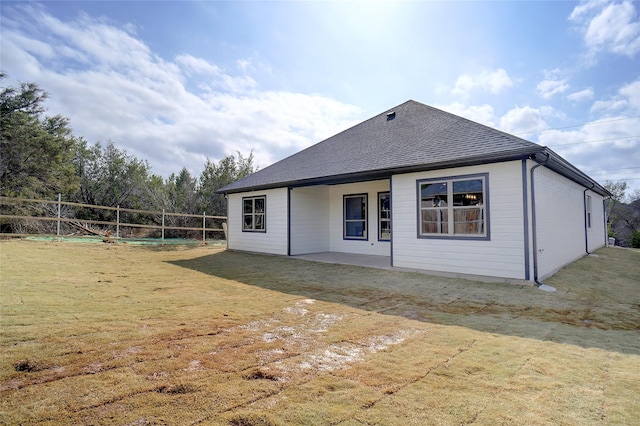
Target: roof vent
{"x": 391, "y": 115}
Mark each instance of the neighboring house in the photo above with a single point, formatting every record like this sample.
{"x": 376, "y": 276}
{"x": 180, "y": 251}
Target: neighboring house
{"x": 428, "y": 189}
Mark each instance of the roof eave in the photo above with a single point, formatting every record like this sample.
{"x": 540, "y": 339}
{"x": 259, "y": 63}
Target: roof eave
{"x": 386, "y": 173}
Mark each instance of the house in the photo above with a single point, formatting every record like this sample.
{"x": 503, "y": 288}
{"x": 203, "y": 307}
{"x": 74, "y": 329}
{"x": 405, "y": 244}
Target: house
{"x": 428, "y": 190}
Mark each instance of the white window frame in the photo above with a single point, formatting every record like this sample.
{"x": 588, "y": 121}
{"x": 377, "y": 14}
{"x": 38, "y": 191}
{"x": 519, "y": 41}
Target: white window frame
{"x": 447, "y": 211}
{"x": 588, "y": 210}
{"x": 258, "y": 221}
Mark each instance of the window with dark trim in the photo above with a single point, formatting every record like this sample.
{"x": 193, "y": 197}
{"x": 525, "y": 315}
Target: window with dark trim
{"x": 453, "y": 207}
{"x": 254, "y": 214}
{"x": 384, "y": 216}
{"x": 355, "y": 217}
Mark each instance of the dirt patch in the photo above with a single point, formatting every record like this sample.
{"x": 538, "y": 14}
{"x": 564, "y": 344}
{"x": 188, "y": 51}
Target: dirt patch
{"x": 592, "y": 293}
{"x": 176, "y": 389}
{"x": 250, "y": 420}
{"x": 29, "y": 366}
{"x": 261, "y": 375}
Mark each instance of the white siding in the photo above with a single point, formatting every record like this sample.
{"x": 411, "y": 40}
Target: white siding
{"x": 275, "y": 239}
{"x": 560, "y": 221}
{"x": 317, "y": 219}
{"x": 501, "y": 256}
{"x": 310, "y": 220}
{"x": 596, "y": 234}
{"x": 371, "y": 245}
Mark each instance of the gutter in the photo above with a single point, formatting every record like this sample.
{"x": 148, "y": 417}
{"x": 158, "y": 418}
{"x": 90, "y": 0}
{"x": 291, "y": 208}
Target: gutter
{"x": 568, "y": 170}
{"x": 534, "y": 236}
{"x": 377, "y": 174}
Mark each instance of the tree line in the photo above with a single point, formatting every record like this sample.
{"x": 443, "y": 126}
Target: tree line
{"x": 40, "y": 157}
{"x": 623, "y": 214}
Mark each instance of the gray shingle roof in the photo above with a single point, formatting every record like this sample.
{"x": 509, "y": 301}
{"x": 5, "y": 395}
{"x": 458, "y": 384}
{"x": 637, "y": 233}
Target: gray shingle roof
{"x": 416, "y": 137}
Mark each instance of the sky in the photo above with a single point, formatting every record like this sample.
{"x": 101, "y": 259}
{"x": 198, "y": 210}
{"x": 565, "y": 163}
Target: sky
{"x": 178, "y": 83}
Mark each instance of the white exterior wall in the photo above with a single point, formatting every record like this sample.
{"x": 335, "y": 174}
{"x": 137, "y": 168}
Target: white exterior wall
{"x": 273, "y": 241}
{"x": 310, "y": 220}
{"x": 598, "y": 232}
{"x": 317, "y": 220}
{"x": 371, "y": 245}
{"x": 501, "y": 256}
{"x": 560, "y": 222}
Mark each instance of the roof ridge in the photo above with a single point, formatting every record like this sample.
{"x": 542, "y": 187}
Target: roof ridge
{"x": 347, "y": 129}
{"x": 418, "y": 135}
{"x": 492, "y": 129}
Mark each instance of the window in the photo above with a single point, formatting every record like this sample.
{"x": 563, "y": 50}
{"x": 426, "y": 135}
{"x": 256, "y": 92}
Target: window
{"x": 253, "y": 214}
{"x": 588, "y": 210}
{"x": 355, "y": 217}
{"x": 453, "y": 207}
{"x": 384, "y": 216}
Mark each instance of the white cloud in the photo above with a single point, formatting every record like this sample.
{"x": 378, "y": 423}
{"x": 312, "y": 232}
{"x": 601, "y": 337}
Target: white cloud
{"x": 493, "y": 82}
{"x": 483, "y": 114}
{"x": 601, "y": 148}
{"x": 526, "y": 119}
{"x": 581, "y": 95}
{"x": 631, "y": 92}
{"x": 609, "y": 106}
{"x": 554, "y": 82}
{"x": 198, "y": 65}
{"x": 548, "y": 88}
{"x": 174, "y": 112}
{"x": 611, "y": 27}
{"x": 626, "y": 101}
{"x": 585, "y": 8}
{"x": 608, "y": 146}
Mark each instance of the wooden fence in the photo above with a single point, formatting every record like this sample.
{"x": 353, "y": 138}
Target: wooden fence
{"x": 83, "y": 224}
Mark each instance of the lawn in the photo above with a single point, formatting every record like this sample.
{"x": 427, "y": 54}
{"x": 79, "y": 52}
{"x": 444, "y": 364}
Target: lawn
{"x": 130, "y": 335}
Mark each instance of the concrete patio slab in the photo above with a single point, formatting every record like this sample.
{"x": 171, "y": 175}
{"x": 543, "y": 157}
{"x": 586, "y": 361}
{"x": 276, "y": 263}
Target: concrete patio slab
{"x": 384, "y": 262}
{"x": 370, "y": 261}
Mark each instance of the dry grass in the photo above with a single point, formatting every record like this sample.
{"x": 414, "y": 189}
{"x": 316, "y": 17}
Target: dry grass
{"x": 104, "y": 334}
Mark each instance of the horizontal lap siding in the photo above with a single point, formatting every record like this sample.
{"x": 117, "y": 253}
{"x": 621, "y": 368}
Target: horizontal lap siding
{"x": 310, "y": 220}
{"x": 501, "y": 256}
{"x": 560, "y": 221}
{"x": 598, "y": 228}
{"x": 371, "y": 245}
{"x": 273, "y": 241}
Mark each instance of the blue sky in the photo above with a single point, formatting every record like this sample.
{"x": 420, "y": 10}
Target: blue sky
{"x": 179, "y": 82}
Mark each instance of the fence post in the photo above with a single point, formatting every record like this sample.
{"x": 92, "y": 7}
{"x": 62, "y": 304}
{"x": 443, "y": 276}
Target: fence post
{"x": 162, "y": 224}
{"x": 117, "y": 221}
{"x": 204, "y": 221}
{"x": 58, "y": 231}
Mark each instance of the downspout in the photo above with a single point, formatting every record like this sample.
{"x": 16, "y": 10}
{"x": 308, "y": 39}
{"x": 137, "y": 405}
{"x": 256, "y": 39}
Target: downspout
{"x": 586, "y": 227}
{"x": 525, "y": 214}
{"x": 289, "y": 221}
{"x": 226, "y": 234}
{"x": 534, "y": 236}
{"x": 606, "y": 221}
